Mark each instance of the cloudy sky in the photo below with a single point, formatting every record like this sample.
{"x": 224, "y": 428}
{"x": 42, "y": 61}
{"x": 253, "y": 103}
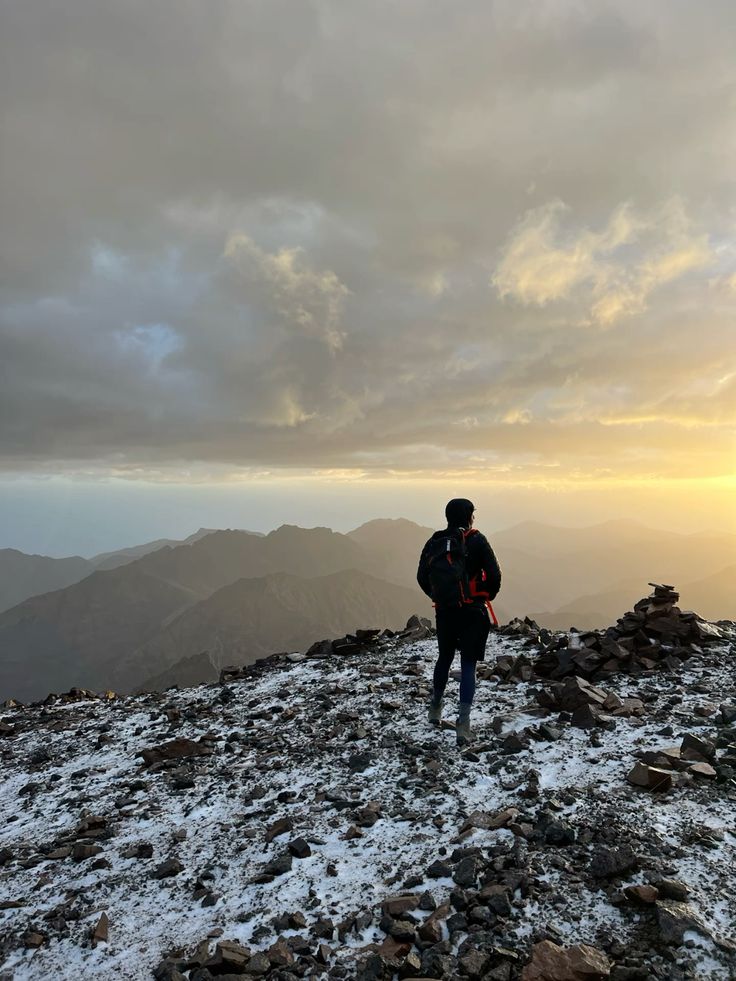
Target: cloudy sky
{"x": 375, "y": 250}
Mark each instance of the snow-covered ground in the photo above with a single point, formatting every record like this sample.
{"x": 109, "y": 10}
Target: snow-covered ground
{"x": 317, "y": 742}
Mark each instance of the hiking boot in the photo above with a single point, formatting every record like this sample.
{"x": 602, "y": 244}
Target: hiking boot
{"x": 462, "y": 726}
{"x": 434, "y": 711}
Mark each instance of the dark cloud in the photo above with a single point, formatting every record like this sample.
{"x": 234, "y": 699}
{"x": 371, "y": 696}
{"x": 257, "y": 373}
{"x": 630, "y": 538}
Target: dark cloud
{"x": 493, "y": 236}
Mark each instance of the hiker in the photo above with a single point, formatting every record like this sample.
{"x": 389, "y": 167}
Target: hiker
{"x": 460, "y": 574}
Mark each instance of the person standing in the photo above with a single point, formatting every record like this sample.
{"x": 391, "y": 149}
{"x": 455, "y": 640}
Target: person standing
{"x": 461, "y": 575}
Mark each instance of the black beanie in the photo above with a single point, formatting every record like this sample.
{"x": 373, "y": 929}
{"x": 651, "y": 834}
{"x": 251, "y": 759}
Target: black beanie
{"x": 458, "y": 512}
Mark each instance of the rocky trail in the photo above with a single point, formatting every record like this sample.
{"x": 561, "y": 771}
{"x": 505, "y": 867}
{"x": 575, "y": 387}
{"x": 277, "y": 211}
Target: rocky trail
{"x": 301, "y": 819}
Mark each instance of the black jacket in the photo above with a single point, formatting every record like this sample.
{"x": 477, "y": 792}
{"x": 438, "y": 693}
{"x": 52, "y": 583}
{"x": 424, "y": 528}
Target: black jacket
{"x": 482, "y": 565}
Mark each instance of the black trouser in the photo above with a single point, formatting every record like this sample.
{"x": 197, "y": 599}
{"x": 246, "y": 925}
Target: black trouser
{"x": 464, "y": 629}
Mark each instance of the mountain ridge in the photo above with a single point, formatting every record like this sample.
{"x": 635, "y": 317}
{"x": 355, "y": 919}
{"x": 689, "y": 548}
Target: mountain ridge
{"x": 23, "y": 575}
{"x": 76, "y": 635}
{"x": 253, "y": 617}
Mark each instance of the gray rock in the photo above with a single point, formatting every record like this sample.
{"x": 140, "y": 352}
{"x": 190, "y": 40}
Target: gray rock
{"x": 728, "y": 713}
{"x": 559, "y": 833}
{"x": 279, "y": 865}
{"x": 674, "y": 919}
{"x": 672, "y": 889}
{"x": 439, "y": 870}
{"x": 167, "y": 869}
{"x": 258, "y": 965}
{"x": 81, "y": 851}
{"x": 465, "y": 872}
{"x": 436, "y": 964}
{"x": 606, "y": 863}
{"x": 474, "y": 963}
{"x": 299, "y": 848}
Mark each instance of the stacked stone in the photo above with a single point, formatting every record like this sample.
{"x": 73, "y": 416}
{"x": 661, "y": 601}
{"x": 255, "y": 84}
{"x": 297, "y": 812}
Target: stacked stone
{"x": 656, "y": 634}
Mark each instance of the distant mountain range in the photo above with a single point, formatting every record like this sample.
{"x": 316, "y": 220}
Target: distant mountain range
{"x": 111, "y": 560}
{"x": 83, "y": 634}
{"x": 23, "y": 576}
{"x": 251, "y": 618}
{"x": 148, "y": 613}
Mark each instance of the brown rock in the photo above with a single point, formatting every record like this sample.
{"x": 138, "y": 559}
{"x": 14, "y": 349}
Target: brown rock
{"x": 230, "y": 957}
{"x": 431, "y": 929}
{"x": 393, "y": 948}
{"x": 612, "y": 701}
{"x": 696, "y": 748}
{"x": 324, "y": 953}
{"x": 278, "y": 828}
{"x": 92, "y": 826}
{"x": 550, "y": 962}
{"x": 100, "y": 932}
{"x": 501, "y": 972}
{"x": 488, "y": 821}
{"x": 279, "y": 954}
{"x": 82, "y": 851}
{"x": 631, "y": 706}
{"x": 574, "y": 692}
{"x": 299, "y": 848}
{"x": 668, "y": 758}
{"x": 412, "y": 966}
{"x": 705, "y": 709}
{"x": 397, "y": 905}
{"x": 707, "y": 631}
{"x": 650, "y": 777}
{"x": 644, "y": 894}
{"x": 177, "y": 749}
{"x": 703, "y": 770}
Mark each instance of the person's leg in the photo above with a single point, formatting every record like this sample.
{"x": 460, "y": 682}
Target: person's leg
{"x": 475, "y": 629}
{"x": 467, "y": 680}
{"x": 446, "y": 646}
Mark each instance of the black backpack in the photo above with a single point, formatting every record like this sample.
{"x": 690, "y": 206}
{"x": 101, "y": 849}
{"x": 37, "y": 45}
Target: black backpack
{"x": 446, "y": 558}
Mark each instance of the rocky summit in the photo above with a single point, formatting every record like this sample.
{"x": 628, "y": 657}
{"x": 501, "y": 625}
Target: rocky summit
{"x": 300, "y": 818}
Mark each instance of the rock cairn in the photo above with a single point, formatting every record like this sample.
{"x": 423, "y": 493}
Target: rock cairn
{"x": 655, "y": 635}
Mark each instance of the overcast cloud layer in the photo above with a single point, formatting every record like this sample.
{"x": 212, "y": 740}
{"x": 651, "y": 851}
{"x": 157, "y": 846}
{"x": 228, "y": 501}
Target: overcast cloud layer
{"x": 410, "y": 236}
